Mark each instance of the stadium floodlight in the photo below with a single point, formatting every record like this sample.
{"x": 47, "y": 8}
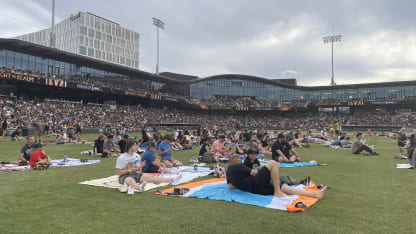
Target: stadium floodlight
{"x": 159, "y": 24}
{"x": 52, "y": 38}
{"x": 332, "y": 39}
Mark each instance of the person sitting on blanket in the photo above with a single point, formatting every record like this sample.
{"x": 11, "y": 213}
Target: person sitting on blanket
{"x": 39, "y": 158}
{"x": 219, "y": 148}
{"x": 266, "y": 181}
{"x": 346, "y": 143}
{"x": 152, "y": 165}
{"x": 165, "y": 151}
{"x": 281, "y": 151}
{"x": 251, "y": 160}
{"x": 130, "y": 172}
{"x": 27, "y": 149}
{"x": 358, "y": 146}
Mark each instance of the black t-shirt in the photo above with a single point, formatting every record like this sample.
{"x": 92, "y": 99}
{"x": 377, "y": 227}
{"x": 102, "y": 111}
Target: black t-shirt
{"x": 203, "y": 150}
{"x": 284, "y": 147}
{"x": 239, "y": 176}
{"x": 145, "y": 137}
{"x": 99, "y": 144}
{"x": 27, "y": 151}
{"x": 122, "y": 145}
{"x": 250, "y": 164}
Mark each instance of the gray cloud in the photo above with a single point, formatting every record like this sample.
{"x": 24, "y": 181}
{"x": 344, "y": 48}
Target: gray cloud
{"x": 263, "y": 38}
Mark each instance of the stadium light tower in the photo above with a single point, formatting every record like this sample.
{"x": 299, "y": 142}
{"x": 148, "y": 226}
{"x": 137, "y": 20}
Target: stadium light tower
{"x": 332, "y": 39}
{"x": 159, "y": 24}
{"x": 52, "y": 33}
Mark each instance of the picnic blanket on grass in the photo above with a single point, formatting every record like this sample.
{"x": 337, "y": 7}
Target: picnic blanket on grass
{"x": 296, "y": 164}
{"x": 217, "y": 189}
{"x": 404, "y": 166}
{"x": 112, "y": 181}
{"x": 13, "y": 167}
{"x": 70, "y": 162}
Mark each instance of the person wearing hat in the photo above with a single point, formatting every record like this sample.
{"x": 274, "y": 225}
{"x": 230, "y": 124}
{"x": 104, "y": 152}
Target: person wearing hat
{"x": 281, "y": 150}
{"x": 251, "y": 160}
{"x": 165, "y": 151}
{"x": 39, "y": 158}
{"x": 151, "y": 164}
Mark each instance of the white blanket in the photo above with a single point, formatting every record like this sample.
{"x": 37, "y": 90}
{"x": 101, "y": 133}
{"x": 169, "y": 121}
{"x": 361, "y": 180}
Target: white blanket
{"x": 403, "y": 166}
{"x": 71, "y": 162}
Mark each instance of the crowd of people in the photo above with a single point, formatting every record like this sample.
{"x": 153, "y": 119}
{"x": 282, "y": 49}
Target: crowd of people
{"x": 54, "y": 116}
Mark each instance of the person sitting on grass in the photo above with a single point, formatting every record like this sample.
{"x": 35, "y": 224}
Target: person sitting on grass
{"x": 281, "y": 151}
{"x": 411, "y": 152}
{"x": 165, "y": 152}
{"x": 39, "y": 159}
{"x": 122, "y": 143}
{"x": 152, "y": 165}
{"x": 357, "y": 146}
{"x": 99, "y": 145}
{"x": 108, "y": 150}
{"x": 130, "y": 172}
{"x": 266, "y": 181}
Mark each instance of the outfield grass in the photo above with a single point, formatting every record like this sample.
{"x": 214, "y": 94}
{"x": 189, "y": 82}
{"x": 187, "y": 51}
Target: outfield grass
{"x": 367, "y": 195}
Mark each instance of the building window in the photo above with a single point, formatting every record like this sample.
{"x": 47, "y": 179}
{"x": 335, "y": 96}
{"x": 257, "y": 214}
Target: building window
{"x": 83, "y": 30}
{"x": 83, "y": 50}
{"x": 91, "y": 32}
{"x": 91, "y": 52}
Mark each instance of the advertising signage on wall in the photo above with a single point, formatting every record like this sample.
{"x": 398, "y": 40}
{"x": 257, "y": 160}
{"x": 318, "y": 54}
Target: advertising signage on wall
{"x": 22, "y": 77}
{"x": 56, "y": 83}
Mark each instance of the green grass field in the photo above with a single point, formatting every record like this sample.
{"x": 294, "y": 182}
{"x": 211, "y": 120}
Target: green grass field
{"x": 367, "y": 195}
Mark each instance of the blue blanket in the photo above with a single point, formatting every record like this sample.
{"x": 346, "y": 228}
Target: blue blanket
{"x": 297, "y": 164}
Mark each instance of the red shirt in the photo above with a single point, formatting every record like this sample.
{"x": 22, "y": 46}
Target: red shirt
{"x": 35, "y": 157}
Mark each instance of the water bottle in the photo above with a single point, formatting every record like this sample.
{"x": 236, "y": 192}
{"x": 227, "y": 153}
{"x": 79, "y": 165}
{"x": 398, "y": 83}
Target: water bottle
{"x": 162, "y": 171}
{"x": 65, "y": 158}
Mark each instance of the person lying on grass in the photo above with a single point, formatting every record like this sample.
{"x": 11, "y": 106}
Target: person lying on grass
{"x": 130, "y": 172}
{"x": 281, "y": 151}
{"x": 165, "y": 151}
{"x": 266, "y": 181}
{"x": 152, "y": 165}
{"x": 38, "y": 158}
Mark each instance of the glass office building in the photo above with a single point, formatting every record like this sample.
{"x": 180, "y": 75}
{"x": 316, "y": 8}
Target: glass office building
{"x": 89, "y": 35}
{"x": 265, "y": 89}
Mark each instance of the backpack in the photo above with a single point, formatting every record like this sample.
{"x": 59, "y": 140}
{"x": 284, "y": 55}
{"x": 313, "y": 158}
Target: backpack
{"x": 208, "y": 157}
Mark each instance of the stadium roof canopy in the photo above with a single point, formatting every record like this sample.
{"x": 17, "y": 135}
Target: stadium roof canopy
{"x": 51, "y": 53}
{"x": 283, "y": 84}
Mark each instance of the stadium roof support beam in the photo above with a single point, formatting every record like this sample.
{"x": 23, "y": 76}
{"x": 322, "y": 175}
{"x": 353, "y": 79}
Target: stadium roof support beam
{"x": 332, "y": 39}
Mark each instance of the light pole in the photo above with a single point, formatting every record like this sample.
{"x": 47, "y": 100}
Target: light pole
{"x": 52, "y": 33}
{"x": 332, "y": 39}
{"x": 159, "y": 24}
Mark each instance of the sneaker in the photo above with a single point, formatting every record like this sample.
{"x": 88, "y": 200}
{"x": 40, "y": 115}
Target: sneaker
{"x": 130, "y": 190}
{"x": 141, "y": 186}
{"x": 176, "y": 179}
{"x": 123, "y": 188}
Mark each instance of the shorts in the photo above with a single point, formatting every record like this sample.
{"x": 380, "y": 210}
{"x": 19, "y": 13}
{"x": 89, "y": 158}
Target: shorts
{"x": 400, "y": 144}
{"x": 262, "y": 182}
{"x": 136, "y": 177}
{"x": 152, "y": 169}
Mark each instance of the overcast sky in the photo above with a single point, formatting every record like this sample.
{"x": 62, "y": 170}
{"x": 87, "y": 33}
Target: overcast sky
{"x": 271, "y": 39}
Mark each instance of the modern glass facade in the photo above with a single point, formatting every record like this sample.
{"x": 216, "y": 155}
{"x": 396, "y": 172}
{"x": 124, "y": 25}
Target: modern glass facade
{"x": 89, "y": 35}
{"x": 69, "y": 71}
{"x": 209, "y": 88}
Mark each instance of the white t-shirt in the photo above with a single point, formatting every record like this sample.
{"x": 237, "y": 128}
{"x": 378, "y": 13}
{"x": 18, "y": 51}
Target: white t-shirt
{"x": 125, "y": 160}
